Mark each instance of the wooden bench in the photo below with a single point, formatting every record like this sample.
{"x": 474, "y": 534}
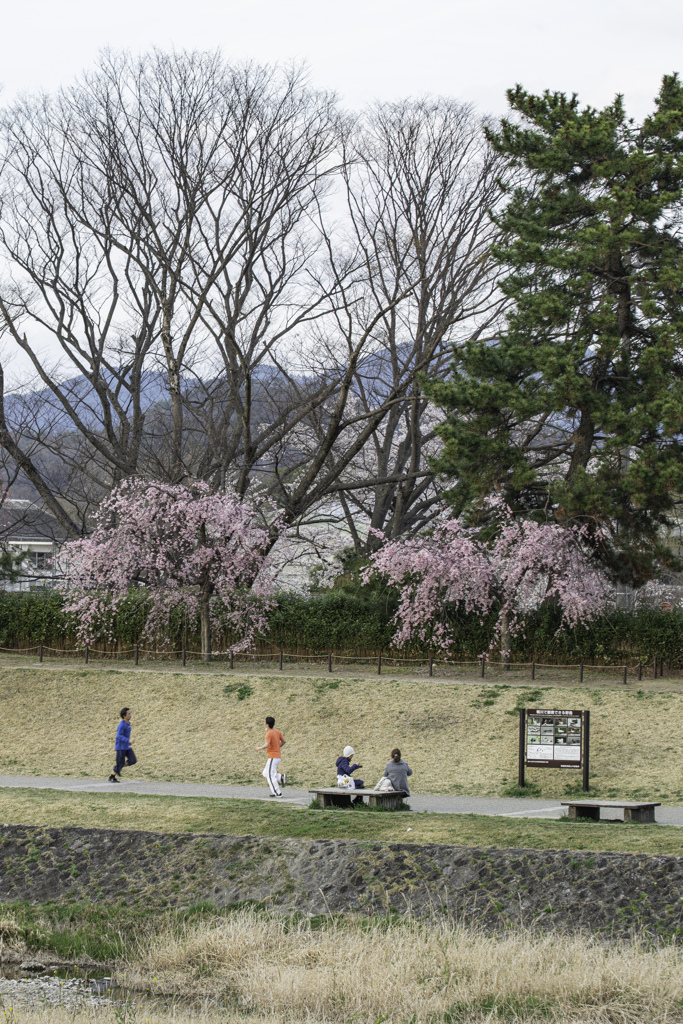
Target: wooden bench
{"x": 633, "y": 810}
{"x": 332, "y": 796}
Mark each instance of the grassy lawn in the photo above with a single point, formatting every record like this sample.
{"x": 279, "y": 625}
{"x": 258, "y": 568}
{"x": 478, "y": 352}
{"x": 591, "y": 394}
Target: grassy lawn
{"x": 459, "y": 738}
{"x": 253, "y": 817}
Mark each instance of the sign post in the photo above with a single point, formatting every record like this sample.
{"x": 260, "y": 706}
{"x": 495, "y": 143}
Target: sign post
{"x": 586, "y": 748}
{"x": 549, "y": 738}
{"x": 522, "y": 740}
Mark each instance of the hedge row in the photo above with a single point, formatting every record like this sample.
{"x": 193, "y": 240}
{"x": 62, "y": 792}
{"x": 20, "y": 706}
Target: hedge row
{"x": 347, "y": 623}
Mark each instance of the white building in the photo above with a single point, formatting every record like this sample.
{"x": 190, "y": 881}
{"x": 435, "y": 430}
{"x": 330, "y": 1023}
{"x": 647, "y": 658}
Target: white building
{"x": 25, "y": 526}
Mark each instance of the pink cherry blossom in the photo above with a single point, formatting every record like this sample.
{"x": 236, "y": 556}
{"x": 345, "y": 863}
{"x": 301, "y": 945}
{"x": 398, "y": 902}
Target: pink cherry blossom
{"x": 525, "y": 564}
{"x": 180, "y": 546}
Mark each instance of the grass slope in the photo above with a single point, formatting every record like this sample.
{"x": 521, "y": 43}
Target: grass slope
{"x": 253, "y": 817}
{"x": 458, "y": 738}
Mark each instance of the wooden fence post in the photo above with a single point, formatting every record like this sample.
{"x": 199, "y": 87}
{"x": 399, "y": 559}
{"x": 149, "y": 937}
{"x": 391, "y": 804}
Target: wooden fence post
{"x": 581, "y": 672}
{"x": 431, "y": 667}
{"x": 87, "y": 652}
{"x": 329, "y": 662}
{"x": 533, "y": 670}
{"x": 379, "y": 664}
{"x": 137, "y": 654}
{"x": 41, "y": 652}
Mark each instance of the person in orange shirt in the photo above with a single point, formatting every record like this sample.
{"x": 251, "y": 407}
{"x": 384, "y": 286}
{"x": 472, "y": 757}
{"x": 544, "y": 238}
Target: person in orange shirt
{"x": 274, "y": 743}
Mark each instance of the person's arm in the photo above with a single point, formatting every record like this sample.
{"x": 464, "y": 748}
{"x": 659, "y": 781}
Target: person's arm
{"x": 282, "y": 742}
{"x": 386, "y": 772}
{"x": 263, "y": 747}
{"x": 409, "y": 770}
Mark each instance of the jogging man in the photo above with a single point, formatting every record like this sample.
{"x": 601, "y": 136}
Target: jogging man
{"x": 123, "y": 746}
{"x": 274, "y": 743}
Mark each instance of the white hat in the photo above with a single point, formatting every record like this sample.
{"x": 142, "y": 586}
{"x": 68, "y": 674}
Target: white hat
{"x": 349, "y": 751}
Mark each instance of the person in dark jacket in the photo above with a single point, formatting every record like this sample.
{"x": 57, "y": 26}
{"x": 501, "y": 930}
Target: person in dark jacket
{"x": 397, "y": 771}
{"x": 344, "y": 767}
{"x": 123, "y": 746}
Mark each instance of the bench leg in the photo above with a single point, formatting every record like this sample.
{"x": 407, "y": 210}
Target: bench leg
{"x": 584, "y": 812}
{"x": 323, "y": 800}
{"x": 389, "y": 800}
{"x": 645, "y": 815}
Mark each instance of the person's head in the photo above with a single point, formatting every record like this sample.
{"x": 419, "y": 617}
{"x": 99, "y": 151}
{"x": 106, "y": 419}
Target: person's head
{"x": 270, "y": 721}
{"x": 396, "y": 755}
{"x": 125, "y": 714}
{"x": 348, "y": 751}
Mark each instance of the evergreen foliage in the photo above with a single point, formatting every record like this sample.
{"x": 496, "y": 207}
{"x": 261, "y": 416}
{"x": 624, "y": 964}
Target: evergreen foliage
{"x": 359, "y": 624}
{"x": 575, "y": 411}
{"x": 11, "y": 565}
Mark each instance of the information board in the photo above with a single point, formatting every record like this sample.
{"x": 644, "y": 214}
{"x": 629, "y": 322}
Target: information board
{"x": 553, "y": 738}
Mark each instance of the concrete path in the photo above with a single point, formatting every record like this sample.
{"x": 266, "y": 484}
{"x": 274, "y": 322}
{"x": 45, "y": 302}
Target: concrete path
{"x": 505, "y": 807}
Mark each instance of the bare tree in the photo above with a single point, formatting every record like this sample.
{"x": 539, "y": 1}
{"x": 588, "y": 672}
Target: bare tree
{"x": 134, "y": 205}
{"x": 420, "y": 180}
{"x": 215, "y": 276}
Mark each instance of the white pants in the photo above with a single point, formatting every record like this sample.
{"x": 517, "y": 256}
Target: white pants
{"x": 273, "y": 776}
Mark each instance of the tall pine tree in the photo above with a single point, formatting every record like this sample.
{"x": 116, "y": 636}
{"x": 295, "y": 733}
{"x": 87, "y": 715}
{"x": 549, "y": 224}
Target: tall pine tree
{"x": 574, "y": 412}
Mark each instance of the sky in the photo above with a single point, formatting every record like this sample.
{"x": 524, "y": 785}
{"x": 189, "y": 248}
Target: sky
{"x": 370, "y": 49}
{"x": 366, "y": 50}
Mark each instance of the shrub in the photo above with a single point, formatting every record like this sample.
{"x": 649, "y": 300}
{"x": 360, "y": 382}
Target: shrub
{"x": 357, "y": 623}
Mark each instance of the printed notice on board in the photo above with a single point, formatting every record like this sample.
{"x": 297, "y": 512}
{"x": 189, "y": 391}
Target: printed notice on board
{"x": 553, "y": 738}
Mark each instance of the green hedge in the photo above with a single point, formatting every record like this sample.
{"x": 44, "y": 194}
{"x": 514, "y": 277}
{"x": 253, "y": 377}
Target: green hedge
{"x": 348, "y": 623}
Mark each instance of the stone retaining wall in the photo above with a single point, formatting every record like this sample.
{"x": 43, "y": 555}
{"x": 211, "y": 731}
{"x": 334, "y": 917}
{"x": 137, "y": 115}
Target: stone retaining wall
{"x": 606, "y": 893}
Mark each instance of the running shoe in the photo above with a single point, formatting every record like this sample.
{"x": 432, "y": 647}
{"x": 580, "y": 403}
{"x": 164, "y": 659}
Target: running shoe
{"x": 112, "y": 778}
{"x": 283, "y": 776}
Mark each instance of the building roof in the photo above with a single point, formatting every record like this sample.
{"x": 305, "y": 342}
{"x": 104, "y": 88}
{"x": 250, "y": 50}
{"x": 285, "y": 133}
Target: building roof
{"x": 24, "y": 521}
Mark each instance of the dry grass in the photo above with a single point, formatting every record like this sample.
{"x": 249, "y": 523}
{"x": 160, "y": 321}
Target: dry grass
{"x": 19, "y": 1013}
{"x": 458, "y": 738}
{"x": 360, "y": 971}
{"x": 279, "y": 970}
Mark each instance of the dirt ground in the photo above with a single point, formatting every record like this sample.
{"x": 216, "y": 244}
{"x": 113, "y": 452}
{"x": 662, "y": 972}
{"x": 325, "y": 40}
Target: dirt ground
{"x": 458, "y": 737}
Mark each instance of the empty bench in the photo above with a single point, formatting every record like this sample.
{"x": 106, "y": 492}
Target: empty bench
{"x": 332, "y": 796}
{"x": 633, "y": 809}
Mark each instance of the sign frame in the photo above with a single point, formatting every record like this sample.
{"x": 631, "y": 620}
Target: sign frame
{"x": 551, "y": 725}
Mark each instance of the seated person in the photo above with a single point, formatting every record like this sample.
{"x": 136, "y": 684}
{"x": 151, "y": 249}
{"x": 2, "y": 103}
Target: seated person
{"x": 344, "y": 767}
{"x": 397, "y": 771}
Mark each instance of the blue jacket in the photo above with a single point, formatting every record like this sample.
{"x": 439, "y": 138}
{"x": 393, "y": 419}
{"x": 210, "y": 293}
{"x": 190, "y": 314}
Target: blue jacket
{"x": 123, "y": 735}
{"x": 344, "y": 766}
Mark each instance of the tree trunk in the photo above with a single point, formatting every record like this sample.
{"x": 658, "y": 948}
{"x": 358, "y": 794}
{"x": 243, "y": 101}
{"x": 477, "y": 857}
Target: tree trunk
{"x": 504, "y": 640}
{"x": 205, "y": 619}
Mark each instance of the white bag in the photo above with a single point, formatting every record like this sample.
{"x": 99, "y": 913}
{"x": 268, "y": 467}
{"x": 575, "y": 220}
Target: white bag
{"x": 384, "y": 786}
{"x": 345, "y": 782}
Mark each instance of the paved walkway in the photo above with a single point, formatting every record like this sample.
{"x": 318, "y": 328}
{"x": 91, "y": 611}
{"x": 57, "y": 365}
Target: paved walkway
{"x": 505, "y": 807}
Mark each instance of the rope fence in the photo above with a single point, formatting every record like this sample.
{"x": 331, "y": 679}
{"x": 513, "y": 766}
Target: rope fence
{"x": 482, "y": 664}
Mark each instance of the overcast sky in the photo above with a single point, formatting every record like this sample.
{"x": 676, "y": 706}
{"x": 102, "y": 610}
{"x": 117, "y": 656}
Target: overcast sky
{"x": 369, "y": 49}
